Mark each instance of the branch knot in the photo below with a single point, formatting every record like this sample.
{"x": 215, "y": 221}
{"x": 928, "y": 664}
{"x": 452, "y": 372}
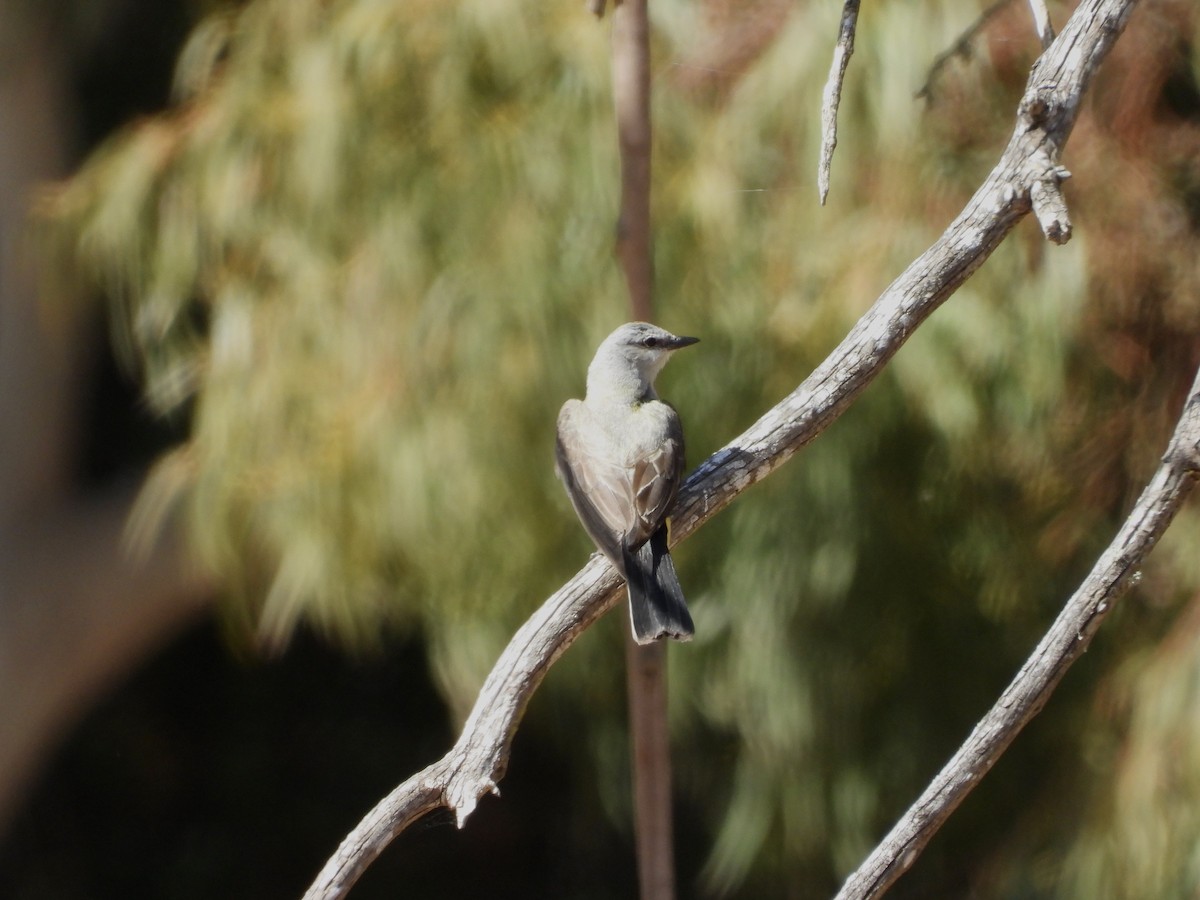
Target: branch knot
{"x": 1039, "y": 106}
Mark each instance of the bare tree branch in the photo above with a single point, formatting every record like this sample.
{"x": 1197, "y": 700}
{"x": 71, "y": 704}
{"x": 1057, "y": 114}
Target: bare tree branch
{"x": 1041, "y": 21}
{"x": 1044, "y": 121}
{"x": 477, "y": 761}
{"x": 832, "y": 97}
{"x": 1065, "y": 642}
{"x": 479, "y": 758}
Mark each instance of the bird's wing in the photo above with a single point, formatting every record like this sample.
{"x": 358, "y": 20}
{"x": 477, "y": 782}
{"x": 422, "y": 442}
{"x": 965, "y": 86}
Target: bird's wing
{"x": 655, "y": 482}
{"x": 620, "y": 506}
{"x": 600, "y": 491}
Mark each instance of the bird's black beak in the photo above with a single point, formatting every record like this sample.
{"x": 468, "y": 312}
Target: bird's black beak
{"x": 678, "y": 343}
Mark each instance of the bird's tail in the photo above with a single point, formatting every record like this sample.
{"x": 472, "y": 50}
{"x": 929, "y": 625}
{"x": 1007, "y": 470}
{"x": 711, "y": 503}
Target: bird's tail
{"x": 657, "y": 608}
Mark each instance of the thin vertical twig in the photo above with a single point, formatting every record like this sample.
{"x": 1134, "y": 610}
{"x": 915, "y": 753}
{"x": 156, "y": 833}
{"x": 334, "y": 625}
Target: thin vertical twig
{"x": 650, "y": 746}
{"x": 1041, "y": 22}
{"x": 631, "y": 100}
{"x": 832, "y": 98}
{"x": 645, "y": 666}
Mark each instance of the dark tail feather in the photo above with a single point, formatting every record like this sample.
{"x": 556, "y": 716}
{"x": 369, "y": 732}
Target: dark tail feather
{"x": 656, "y": 605}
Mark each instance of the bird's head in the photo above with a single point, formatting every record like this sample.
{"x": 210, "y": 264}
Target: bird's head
{"x": 638, "y": 350}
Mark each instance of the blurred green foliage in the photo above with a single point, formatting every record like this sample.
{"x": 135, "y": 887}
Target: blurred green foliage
{"x": 369, "y": 255}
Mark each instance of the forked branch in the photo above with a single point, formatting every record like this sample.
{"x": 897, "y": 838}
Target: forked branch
{"x": 1044, "y": 121}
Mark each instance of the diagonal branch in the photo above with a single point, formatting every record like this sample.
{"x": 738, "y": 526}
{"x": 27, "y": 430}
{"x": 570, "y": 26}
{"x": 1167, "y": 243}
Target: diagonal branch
{"x": 479, "y": 758}
{"x": 1028, "y": 165}
{"x": 1044, "y": 121}
{"x": 1068, "y": 639}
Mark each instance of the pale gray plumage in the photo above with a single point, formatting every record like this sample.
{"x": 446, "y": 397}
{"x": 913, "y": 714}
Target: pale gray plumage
{"x": 620, "y": 455}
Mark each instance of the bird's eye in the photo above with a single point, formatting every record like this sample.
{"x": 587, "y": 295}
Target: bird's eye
{"x": 650, "y": 342}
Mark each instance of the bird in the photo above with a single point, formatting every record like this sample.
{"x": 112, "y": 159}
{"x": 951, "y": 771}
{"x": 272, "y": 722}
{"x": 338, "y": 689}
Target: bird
{"x": 619, "y": 453}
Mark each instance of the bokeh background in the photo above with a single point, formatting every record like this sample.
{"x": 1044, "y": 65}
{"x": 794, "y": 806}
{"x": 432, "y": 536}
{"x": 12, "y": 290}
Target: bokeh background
{"x": 283, "y": 343}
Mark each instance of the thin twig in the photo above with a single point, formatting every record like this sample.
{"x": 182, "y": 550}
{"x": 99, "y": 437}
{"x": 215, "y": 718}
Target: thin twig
{"x": 1068, "y": 638}
{"x": 478, "y": 759}
{"x": 650, "y": 764}
{"x": 832, "y": 96}
{"x": 1041, "y": 22}
{"x": 631, "y": 101}
{"x": 645, "y": 666}
{"x": 961, "y": 47}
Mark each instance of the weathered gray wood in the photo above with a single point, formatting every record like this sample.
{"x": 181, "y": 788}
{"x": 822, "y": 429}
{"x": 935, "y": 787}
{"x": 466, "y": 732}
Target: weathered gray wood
{"x": 1041, "y": 22}
{"x": 1045, "y": 118}
{"x": 478, "y": 759}
{"x": 832, "y": 97}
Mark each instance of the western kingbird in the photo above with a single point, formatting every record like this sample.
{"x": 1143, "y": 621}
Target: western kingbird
{"x": 620, "y": 455}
